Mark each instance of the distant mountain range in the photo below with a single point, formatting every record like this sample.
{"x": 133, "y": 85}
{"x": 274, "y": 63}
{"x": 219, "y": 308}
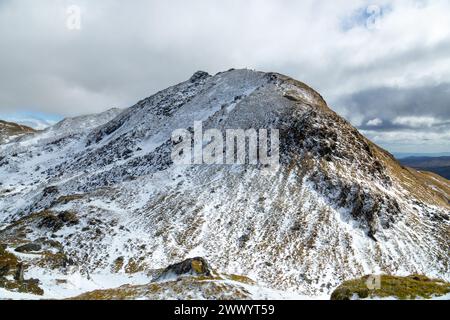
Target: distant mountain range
{"x": 403, "y": 155}
{"x": 438, "y": 165}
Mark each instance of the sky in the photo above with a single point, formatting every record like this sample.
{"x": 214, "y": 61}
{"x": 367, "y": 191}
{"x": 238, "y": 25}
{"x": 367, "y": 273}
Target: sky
{"x": 384, "y": 65}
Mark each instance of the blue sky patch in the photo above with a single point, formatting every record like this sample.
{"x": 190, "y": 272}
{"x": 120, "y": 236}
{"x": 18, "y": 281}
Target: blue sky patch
{"x": 365, "y": 17}
{"x": 36, "y": 120}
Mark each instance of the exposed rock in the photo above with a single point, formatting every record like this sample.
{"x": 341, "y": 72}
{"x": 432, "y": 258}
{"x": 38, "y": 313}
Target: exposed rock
{"x": 195, "y": 266}
{"x": 57, "y": 222}
{"x": 243, "y": 240}
{"x": 69, "y": 218}
{"x": 8, "y": 262}
{"x": 52, "y": 223}
{"x": 18, "y": 276}
{"x": 4, "y": 270}
{"x": 57, "y": 260}
{"x": 50, "y": 190}
{"x": 30, "y": 286}
{"x": 29, "y": 247}
{"x": 187, "y": 288}
{"x": 199, "y": 75}
{"x": 118, "y": 264}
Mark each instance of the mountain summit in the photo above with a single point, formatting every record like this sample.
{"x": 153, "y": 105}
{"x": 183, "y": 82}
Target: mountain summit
{"x": 109, "y": 200}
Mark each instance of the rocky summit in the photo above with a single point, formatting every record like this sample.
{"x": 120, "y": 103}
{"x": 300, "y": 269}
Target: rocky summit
{"x": 95, "y": 207}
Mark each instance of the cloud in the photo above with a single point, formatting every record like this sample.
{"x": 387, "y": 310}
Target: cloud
{"x": 417, "y": 122}
{"x": 36, "y": 120}
{"x": 411, "y": 140}
{"x": 418, "y": 117}
{"x": 414, "y": 107}
{"x": 125, "y": 52}
{"x": 374, "y": 122}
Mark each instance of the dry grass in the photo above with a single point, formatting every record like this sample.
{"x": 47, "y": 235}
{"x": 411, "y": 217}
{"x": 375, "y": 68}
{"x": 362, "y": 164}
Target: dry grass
{"x": 184, "y": 287}
{"x": 411, "y": 287}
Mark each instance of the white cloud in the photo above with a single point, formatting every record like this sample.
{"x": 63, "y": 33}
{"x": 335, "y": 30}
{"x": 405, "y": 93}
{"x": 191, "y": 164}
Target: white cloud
{"x": 125, "y": 52}
{"x": 411, "y": 140}
{"x": 375, "y": 122}
{"x": 416, "y": 122}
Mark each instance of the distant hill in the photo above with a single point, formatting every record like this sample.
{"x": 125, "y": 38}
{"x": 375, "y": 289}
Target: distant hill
{"x": 438, "y": 165}
{"x": 10, "y": 130}
{"x": 404, "y": 155}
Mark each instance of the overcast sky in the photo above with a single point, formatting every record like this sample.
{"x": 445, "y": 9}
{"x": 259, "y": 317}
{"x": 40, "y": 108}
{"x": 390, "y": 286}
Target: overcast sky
{"x": 384, "y": 65}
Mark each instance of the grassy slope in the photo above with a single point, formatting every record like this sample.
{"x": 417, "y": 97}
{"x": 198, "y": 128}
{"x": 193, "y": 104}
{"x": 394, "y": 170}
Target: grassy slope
{"x": 411, "y": 287}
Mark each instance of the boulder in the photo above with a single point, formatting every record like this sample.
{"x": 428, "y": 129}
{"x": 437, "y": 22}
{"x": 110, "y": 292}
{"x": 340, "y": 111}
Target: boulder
{"x": 4, "y": 270}
{"x": 50, "y": 190}
{"x": 29, "y": 247}
{"x": 194, "y": 267}
{"x": 8, "y": 262}
{"x": 19, "y": 273}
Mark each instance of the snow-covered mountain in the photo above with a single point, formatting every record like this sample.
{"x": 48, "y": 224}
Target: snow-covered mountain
{"x": 104, "y": 204}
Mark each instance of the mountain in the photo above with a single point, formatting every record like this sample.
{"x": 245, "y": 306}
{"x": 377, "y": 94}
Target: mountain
{"x": 35, "y": 122}
{"x": 438, "y": 165}
{"x": 10, "y": 130}
{"x": 106, "y": 206}
{"x": 402, "y": 155}
{"x": 76, "y": 125}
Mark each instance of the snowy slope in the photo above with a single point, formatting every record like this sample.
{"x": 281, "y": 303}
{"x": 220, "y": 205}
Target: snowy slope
{"x": 337, "y": 207}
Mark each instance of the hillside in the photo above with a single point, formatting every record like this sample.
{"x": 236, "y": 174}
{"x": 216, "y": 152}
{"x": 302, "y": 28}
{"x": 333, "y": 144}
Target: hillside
{"x": 106, "y": 206}
{"x": 10, "y": 130}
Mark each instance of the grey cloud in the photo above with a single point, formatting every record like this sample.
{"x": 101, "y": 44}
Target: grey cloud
{"x": 411, "y": 118}
{"x": 389, "y": 103}
{"x": 126, "y": 52}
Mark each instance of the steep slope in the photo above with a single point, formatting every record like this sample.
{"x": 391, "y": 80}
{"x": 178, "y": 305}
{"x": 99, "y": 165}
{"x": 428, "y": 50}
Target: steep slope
{"x": 69, "y": 128}
{"x": 337, "y": 207}
{"x": 10, "y": 130}
{"x": 76, "y": 125}
{"x": 433, "y": 181}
